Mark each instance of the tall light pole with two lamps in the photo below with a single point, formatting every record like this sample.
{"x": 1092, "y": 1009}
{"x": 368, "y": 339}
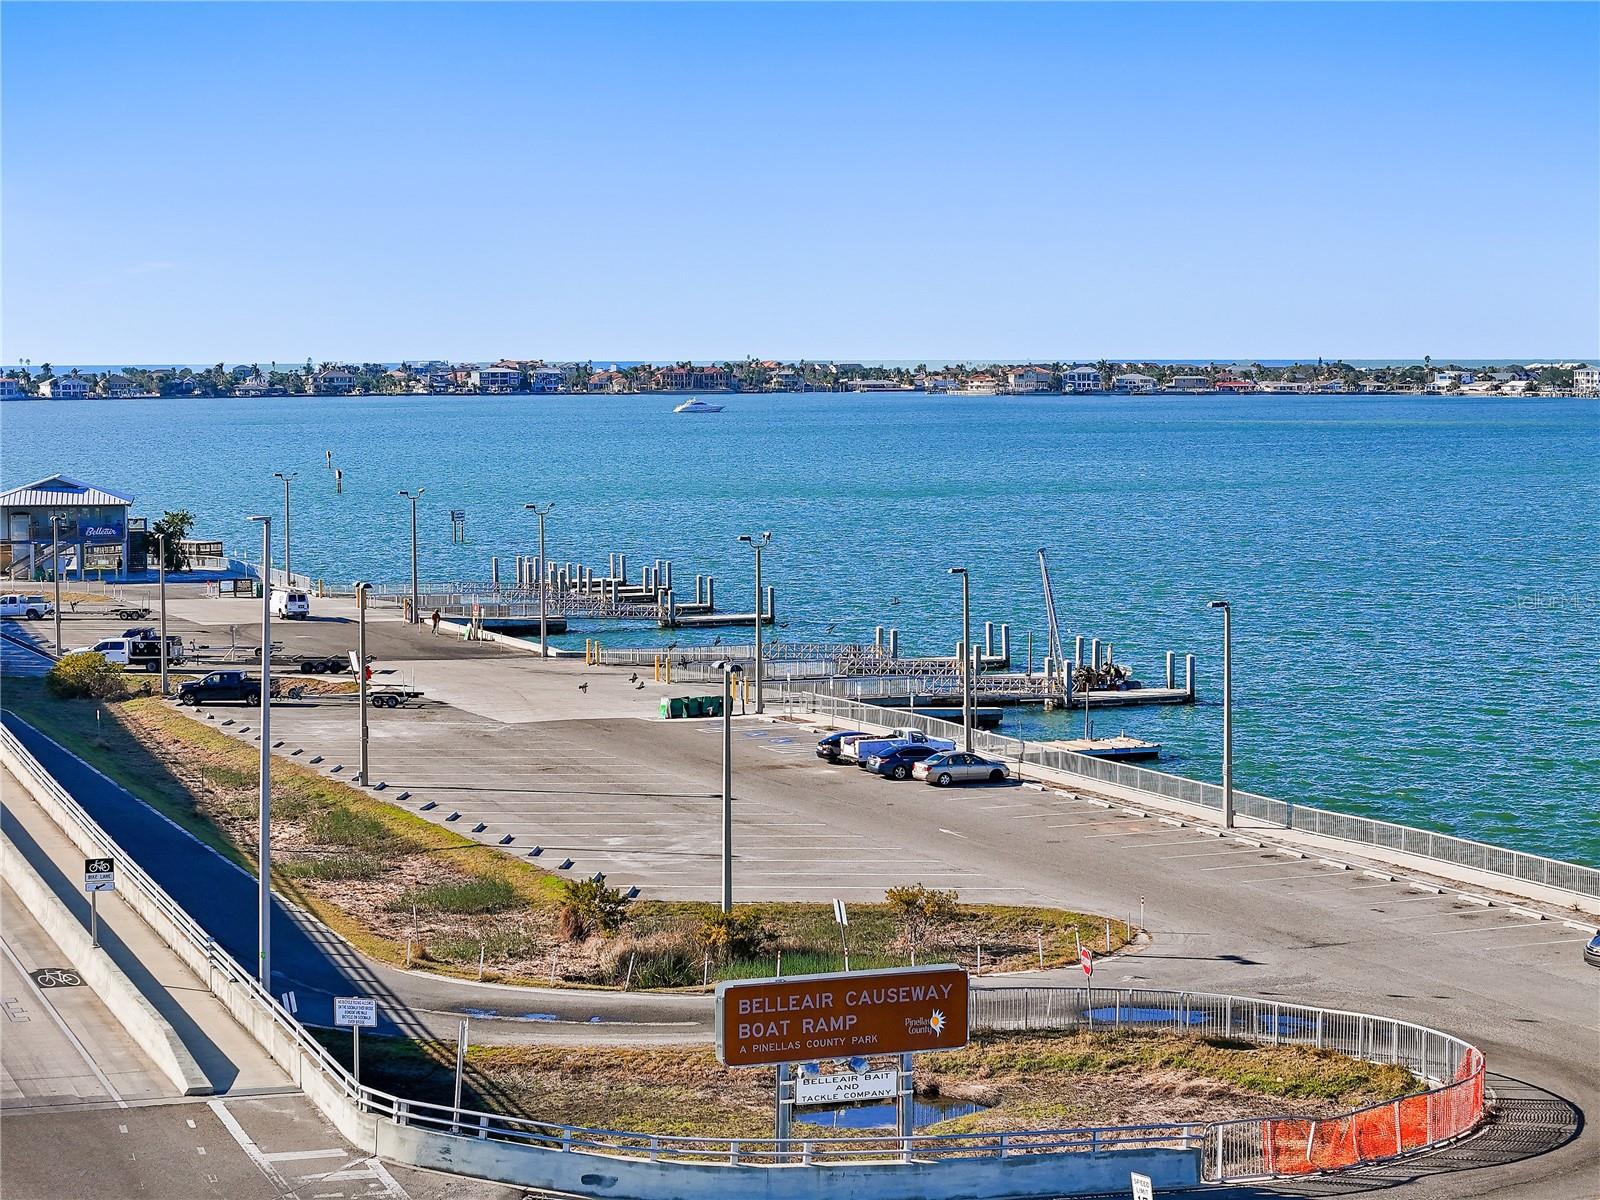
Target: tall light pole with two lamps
{"x": 758, "y": 542}
{"x": 544, "y": 578}
{"x": 1227, "y": 710}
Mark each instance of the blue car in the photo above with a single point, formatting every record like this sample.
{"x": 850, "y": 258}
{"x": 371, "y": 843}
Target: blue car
{"x": 897, "y": 763}
{"x": 1591, "y": 952}
{"x": 828, "y": 747}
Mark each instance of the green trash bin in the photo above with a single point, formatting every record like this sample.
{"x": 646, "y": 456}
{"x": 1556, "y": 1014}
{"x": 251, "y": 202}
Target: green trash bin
{"x": 679, "y": 709}
{"x": 694, "y": 706}
{"x": 712, "y": 705}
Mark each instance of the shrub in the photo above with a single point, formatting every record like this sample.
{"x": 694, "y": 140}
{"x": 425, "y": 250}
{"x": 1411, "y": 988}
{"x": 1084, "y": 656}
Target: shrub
{"x": 663, "y": 959}
{"x": 734, "y": 935}
{"x": 86, "y": 674}
{"x": 920, "y": 912}
{"x": 338, "y": 826}
{"x": 590, "y": 906}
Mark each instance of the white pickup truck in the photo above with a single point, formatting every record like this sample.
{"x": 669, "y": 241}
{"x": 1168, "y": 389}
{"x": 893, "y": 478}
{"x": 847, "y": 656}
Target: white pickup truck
{"x": 859, "y": 751}
{"x": 32, "y": 608}
{"x": 136, "y": 652}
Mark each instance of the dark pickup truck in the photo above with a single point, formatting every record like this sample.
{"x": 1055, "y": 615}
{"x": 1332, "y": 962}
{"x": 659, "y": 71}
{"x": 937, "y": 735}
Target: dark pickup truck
{"x": 221, "y": 686}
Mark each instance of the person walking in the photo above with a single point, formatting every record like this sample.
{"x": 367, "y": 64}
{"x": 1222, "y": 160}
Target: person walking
{"x": 437, "y": 617}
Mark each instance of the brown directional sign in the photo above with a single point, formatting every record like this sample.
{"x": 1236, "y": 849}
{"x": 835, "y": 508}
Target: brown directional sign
{"x": 806, "y": 1017}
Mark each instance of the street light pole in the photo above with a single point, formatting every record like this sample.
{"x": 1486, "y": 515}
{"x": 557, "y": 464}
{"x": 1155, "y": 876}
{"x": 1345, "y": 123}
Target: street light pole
{"x": 288, "y": 559}
{"x": 361, "y": 676}
{"x": 966, "y": 657}
{"x": 729, "y": 671}
{"x": 264, "y": 829}
{"x": 1227, "y": 711}
{"x": 55, "y": 570}
{"x": 416, "y": 616}
{"x": 161, "y": 551}
{"x": 758, "y": 542}
{"x": 544, "y": 580}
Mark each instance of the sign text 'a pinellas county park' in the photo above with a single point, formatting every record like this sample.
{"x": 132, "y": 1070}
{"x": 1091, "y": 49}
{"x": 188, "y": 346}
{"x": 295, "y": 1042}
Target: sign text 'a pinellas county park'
{"x": 806, "y": 1017}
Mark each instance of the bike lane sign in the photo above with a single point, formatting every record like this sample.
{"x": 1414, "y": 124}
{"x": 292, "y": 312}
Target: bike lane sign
{"x": 99, "y": 875}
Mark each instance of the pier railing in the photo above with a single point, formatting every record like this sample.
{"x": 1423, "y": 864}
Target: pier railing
{"x": 1535, "y": 869}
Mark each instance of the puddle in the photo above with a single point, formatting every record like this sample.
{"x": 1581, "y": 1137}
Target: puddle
{"x": 882, "y": 1116}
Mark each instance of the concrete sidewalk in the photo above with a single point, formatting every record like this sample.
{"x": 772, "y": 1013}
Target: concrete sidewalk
{"x": 231, "y": 1059}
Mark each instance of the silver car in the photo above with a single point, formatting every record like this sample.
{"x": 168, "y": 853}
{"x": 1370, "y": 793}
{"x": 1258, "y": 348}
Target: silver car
{"x": 956, "y": 766}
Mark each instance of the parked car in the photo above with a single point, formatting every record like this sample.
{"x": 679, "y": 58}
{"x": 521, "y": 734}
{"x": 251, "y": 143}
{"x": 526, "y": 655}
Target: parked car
{"x": 898, "y": 762}
{"x": 870, "y": 747}
{"x": 137, "y": 651}
{"x": 291, "y": 606}
{"x": 221, "y": 686}
{"x": 32, "y": 608}
{"x": 1591, "y": 952}
{"x": 828, "y": 747}
{"x": 953, "y": 766}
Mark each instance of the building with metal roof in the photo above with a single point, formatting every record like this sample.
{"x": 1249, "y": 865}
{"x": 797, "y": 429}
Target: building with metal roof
{"x": 90, "y": 536}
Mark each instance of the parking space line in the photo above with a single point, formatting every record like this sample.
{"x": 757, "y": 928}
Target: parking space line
{"x": 1233, "y": 867}
{"x": 1520, "y": 945}
{"x": 1297, "y": 875}
{"x": 1208, "y": 853}
{"x": 1482, "y": 929}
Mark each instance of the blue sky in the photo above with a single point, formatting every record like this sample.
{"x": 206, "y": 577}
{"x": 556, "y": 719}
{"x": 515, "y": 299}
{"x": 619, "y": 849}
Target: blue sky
{"x": 194, "y": 182}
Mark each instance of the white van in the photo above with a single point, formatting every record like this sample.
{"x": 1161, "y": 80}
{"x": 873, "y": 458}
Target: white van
{"x": 34, "y": 608}
{"x": 291, "y": 606}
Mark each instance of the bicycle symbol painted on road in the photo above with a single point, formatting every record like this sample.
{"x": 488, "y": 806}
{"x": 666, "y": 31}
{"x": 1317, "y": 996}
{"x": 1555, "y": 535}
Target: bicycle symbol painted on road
{"x": 54, "y": 977}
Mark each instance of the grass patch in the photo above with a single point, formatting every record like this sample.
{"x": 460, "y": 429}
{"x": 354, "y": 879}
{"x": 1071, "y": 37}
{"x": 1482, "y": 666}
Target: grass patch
{"x": 1028, "y": 1081}
{"x": 468, "y": 896}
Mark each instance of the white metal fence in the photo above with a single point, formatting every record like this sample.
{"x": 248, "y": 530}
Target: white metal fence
{"x": 1442, "y": 847}
{"x": 1451, "y": 1071}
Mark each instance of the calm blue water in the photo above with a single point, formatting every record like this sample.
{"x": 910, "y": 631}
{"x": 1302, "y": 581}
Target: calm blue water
{"x": 1414, "y": 579}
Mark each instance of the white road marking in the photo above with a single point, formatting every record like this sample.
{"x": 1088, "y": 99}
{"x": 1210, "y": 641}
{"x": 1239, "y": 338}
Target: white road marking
{"x": 252, "y": 1151}
{"x": 1206, "y": 854}
{"x": 953, "y": 833}
{"x": 63, "y": 1026}
{"x": 297, "y": 1155}
{"x": 1482, "y": 929}
{"x": 1520, "y": 945}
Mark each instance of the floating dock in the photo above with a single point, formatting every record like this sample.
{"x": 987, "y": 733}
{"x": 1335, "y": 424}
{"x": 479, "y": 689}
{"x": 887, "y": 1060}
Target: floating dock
{"x": 1121, "y": 748}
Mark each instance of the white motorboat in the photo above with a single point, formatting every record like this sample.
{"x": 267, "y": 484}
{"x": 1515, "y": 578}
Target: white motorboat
{"x": 697, "y": 405}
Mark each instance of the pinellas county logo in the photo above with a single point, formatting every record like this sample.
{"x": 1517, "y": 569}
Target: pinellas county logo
{"x": 933, "y": 1024}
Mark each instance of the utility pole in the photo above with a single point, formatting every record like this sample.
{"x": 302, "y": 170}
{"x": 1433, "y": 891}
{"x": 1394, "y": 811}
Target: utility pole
{"x": 544, "y": 580}
{"x": 55, "y": 570}
{"x": 161, "y": 550}
{"x": 264, "y": 827}
{"x": 730, "y": 671}
{"x": 414, "y": 496}
{"x": 288, "y": 559}
{"x": 1227, "y": 711}
{"x": 361, "y": 675}
{"x": 758, "y": 542}
{"x": 966, "y": 657}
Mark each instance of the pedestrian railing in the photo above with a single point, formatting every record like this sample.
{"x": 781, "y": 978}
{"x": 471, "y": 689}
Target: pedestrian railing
{"x": 1583, "y": 881}
{"x": 1449, "y": 1103}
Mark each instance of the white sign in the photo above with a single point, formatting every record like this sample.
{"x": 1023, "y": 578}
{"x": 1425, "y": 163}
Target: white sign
{"x": 846, "y": 1086}
{"x": 1142, "y": 1188}
{"x": 99, "y": 875}
{"x": 361, "y": 1011}
{"x": 1086, "y": 960}
{"x": 840, "y": 916}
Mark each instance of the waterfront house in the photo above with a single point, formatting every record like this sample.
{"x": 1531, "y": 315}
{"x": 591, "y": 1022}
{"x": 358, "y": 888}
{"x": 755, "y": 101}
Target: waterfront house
{"x": 119, "y": 387}
{"x": 546, "y": 379}
{"x": 786, "y": 379}
{"x": 1444, "y": 380}
{"x": 64, "y": 387}
{"x": 10, "y": 389}
{"x": 331, "y": 381}
{"x": 1586, "y": 381}
{"x": 1236, "y": 385}
{"x": 691, "y": 379}
{"x": 93, "y": 534}
{"x": 253, "y": 386}
{"x": 613, "y": 382}
{"x": 1190, "y": 383}
{"x": 1023, "y": 380}
{"x": 1080, "y": 379}
{"x": 1133, "y": 382}
{"x": 1328, "y": 385}
{"x": 495, "y": 380}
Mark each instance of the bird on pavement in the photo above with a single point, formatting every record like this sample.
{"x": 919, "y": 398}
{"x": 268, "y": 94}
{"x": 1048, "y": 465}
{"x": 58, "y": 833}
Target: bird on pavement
{"x": 634, "y": 678}
{"x": 584, "y": 686}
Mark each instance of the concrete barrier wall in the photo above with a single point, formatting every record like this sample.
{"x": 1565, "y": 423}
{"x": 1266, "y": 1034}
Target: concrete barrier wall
{"x": 1016, "y": 1177}
{"x": 146, "y": 1026}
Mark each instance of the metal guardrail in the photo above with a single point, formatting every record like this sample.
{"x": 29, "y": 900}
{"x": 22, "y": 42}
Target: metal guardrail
{"x": 1441, "y": 847}
{"x": 1451, "y": 1070}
